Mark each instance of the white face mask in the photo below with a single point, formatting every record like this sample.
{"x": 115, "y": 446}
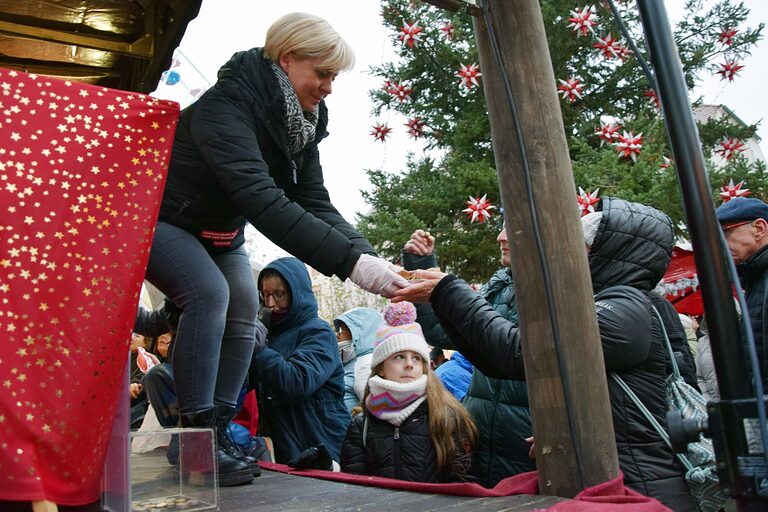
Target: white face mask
{"x": 346, "y": 351}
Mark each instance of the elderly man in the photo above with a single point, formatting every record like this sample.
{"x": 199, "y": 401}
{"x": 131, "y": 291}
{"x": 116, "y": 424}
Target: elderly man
{"x": 744, "y": 224}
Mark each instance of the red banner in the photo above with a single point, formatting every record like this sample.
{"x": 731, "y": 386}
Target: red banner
{"x": 82, "y": 170}
{"x": 681, "y": 283}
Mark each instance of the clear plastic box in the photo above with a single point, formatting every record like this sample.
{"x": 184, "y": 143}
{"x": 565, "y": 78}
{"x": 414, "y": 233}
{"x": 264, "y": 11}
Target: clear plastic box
{"x": 159, "y": 484}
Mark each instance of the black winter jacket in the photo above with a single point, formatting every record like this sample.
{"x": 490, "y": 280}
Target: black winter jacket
{"x": 231, "y": 164}
{"x": 499, "y": 407}
{"x": 404, "y": 453}
{"x": 629, "y": 255}
{"x": 754, "y": 277}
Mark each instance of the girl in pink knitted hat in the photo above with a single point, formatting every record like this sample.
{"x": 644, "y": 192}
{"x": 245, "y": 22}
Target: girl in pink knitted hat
{"x": 408, "y": 426}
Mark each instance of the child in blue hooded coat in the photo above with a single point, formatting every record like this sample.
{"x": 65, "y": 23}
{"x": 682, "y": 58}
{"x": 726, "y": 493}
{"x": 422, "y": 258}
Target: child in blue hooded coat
{"x": 356, "y": 332}
{"x": 301, "y": 379}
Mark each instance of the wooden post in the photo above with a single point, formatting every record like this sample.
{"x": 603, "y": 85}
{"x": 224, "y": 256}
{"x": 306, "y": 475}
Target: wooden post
{"x": 575, "y": 443}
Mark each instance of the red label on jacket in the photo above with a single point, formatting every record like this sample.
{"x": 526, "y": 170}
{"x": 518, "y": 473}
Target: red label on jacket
{"x": 219, "y": 238}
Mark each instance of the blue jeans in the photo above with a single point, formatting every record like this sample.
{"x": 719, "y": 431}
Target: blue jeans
{"x": 219, "y": 302}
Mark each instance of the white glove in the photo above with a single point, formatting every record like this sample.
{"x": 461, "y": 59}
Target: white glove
{"x": 377, "y": 276}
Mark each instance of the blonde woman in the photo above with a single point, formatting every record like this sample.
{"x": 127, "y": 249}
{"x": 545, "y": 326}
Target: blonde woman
{"x": 409, "y": 426}
{"x": 247, "y": 151}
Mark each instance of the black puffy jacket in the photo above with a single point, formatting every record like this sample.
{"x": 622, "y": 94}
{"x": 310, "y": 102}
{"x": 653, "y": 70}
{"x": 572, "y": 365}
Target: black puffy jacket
{"x": 629, "y": 255}
{"x": 404, "y": 453}
{"x": 231, "y": 164}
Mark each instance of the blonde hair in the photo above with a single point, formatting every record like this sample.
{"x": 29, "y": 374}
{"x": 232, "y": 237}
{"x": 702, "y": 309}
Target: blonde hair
{"x": 307, "y": 35}
{"x": 449, "y": 423}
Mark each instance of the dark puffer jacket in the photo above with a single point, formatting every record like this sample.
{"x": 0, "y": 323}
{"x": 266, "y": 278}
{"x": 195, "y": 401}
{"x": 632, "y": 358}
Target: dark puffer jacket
{"x": 629, "y": 255}
{"x": 754, "y": 274}
{"x": 301, "y": 380}
{"x": 405, "y": 452}
{"x": 231, "y": 164}
{"x": 498, "y": 406}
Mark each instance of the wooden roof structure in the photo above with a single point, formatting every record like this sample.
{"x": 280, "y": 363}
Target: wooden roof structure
{"x": 121, "y": 44}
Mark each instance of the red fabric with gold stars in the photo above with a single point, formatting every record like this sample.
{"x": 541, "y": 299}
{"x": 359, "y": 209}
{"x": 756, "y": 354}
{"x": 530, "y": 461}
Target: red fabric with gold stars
{"x": 82, "y": 170}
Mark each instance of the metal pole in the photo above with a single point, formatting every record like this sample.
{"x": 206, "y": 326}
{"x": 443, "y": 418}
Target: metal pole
{"x": 726, "y": 417}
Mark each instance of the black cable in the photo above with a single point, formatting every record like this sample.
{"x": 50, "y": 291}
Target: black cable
{"x": 536, "y": 234}
{"x": 631, "y": 42}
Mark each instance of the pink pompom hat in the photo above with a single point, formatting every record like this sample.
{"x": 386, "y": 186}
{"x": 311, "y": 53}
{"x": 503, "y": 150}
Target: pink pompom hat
{"x": 398, "y": 333}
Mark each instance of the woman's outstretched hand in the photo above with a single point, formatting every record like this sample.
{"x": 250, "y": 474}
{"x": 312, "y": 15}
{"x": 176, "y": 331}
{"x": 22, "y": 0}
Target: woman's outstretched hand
{"x": 377, "y": 276}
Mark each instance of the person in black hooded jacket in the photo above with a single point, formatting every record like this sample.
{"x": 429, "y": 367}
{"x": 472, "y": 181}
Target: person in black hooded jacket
{"x": 247, "y": 151}
{"x": 630, "y": 246}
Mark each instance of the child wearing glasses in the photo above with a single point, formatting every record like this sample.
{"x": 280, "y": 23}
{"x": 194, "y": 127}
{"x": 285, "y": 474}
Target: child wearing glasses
{"x": 301, "y": 379}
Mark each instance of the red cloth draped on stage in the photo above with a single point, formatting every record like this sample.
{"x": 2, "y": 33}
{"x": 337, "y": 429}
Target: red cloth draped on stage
{"x": 82, "y": 170}
{"x": 611, "y": 496}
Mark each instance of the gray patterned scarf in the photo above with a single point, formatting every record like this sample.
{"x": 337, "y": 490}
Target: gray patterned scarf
{"x": 301, "y": 124}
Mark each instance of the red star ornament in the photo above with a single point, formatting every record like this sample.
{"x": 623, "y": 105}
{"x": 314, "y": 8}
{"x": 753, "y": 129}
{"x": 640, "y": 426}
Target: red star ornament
{"x": 729, "y": 70}
{"x": 653, "y": 98}
{"x": 729, "y": 191}
{"x": 381, "y": 131}
{"x": 730, "y": 147}
{"x": 726, "y": 36}
{"x": 608, "y": 47}
{"x": 623, "y": 52}
{"x": 629, "y": 145}
{"x": 478, "y": 209}
{"x": 666, "y": 162}
{"x": 401, "y": 91}
{"x": 582, "y": 21}
{"x": 416, "y": 127}
{"x": 587, "y": 201}
{"x": 469, "y": 75}
{"x": 446, "y": 27}
{"x": 411, "y": 34}
{"x": 607, "y": 132}
{"x": 571, "y": 89}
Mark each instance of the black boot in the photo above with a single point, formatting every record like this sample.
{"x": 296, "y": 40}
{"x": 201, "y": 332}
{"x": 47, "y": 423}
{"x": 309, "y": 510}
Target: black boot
{"x": 231, "y": 470}
{"x": 225, "y": 416}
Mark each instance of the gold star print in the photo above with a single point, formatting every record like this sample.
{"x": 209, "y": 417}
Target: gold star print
{"x": 48, "y": 193}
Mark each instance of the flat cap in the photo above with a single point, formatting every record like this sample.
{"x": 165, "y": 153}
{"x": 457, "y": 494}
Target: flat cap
{"x": 741, "y": 209}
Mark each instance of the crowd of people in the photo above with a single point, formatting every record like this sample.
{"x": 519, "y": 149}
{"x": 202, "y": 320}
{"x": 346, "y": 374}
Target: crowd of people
{"x": 371, "y": 393}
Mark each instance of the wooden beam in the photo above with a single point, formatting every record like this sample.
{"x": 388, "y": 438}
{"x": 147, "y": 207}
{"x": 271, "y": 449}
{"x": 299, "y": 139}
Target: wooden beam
{"x": 175, "y": 22}
{"x": 455, "y": 5}
{"x": 90, "y": 74}
{"x": 568, "y": 394}
{"x": 143, "y": 46}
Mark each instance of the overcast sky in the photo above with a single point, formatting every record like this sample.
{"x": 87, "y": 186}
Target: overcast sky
{"x": 226, "y": 26}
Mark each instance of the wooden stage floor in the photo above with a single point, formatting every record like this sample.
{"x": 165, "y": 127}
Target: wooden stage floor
{"x": 280, "y": 492}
